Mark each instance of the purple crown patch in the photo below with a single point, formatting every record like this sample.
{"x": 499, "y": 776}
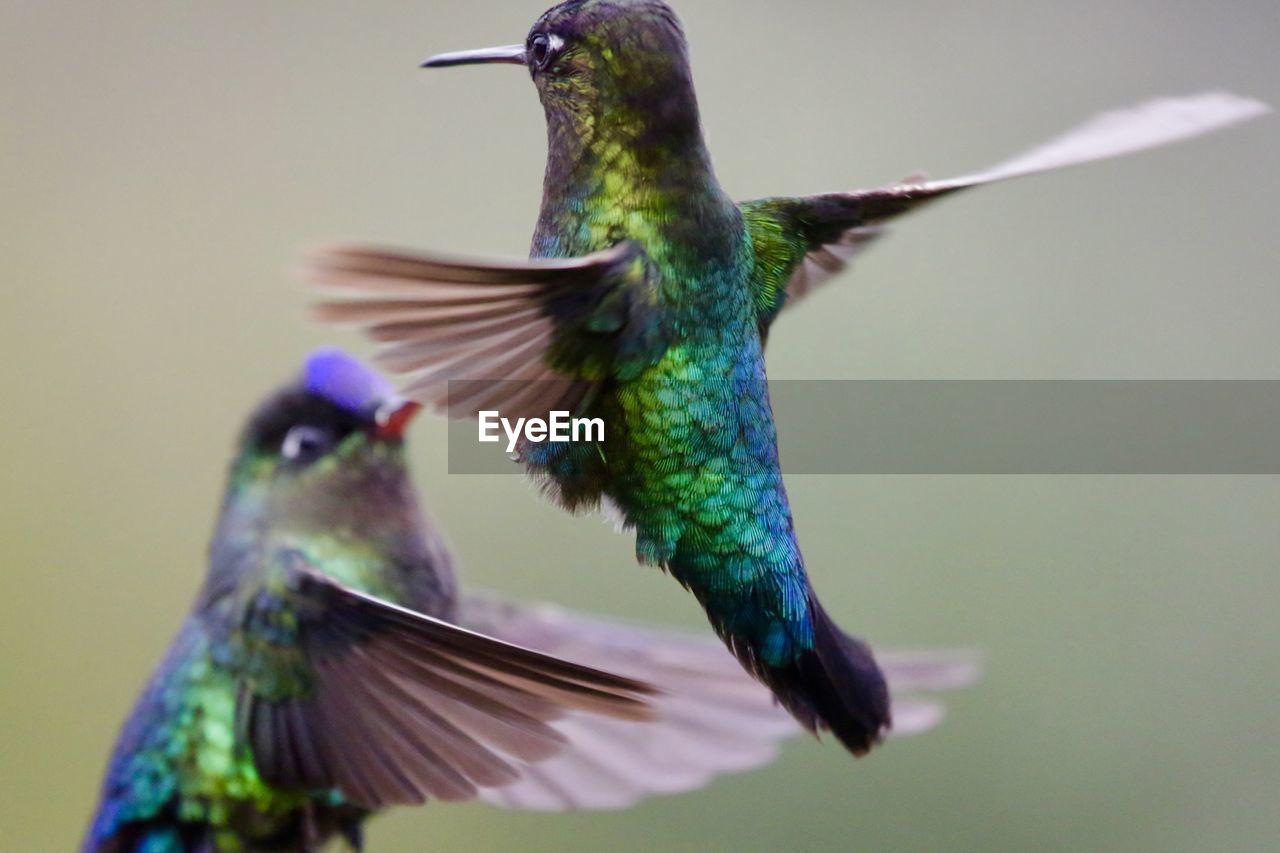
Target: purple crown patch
{"x": 345, "y": 381}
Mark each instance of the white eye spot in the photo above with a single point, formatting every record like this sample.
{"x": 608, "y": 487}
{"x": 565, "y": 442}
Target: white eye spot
{"x": 543, "y": 49}
{"x": 305, "y": 444}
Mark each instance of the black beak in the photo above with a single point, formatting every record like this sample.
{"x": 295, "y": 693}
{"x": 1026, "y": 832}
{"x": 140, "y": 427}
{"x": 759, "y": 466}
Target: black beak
{"x": 511, "y": 54}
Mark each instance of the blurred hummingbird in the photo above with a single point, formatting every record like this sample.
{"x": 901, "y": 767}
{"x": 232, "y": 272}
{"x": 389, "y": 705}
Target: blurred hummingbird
{"x": 330, "y": 667}
{"x": 647, "y": 303}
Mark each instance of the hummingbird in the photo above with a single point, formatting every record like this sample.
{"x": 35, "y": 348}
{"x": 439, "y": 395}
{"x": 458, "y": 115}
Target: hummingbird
{"x": 647, "y": 302}
{"x": 331, "y": 668}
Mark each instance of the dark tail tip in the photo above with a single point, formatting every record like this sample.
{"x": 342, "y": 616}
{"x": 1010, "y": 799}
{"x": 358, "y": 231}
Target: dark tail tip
{"x": 842, "y": 686}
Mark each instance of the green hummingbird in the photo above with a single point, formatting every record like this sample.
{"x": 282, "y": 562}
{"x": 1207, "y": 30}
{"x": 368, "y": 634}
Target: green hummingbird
{"x": 330, "y": 667}
{"x": 646, "y": 303}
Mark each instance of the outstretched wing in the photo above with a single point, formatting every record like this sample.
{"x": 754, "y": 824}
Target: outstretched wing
{"x": 339, "y": 689}
{"x": 711, "y": 717}
{"x": 525, "y": 337}
{"x": 803, "y": 242}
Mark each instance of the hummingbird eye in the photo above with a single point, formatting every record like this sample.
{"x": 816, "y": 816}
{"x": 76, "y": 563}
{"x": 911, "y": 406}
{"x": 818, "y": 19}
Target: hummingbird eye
{"x": 304, "y": 444}
{"x": 542, "y": 50}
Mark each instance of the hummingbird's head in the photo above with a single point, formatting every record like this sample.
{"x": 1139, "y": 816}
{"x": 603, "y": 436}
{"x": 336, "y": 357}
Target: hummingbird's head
{"x": 605, "y": 65}
{"x": 327, "y": 447}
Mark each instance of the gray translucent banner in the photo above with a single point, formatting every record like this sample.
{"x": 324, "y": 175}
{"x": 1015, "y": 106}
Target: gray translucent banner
{"x": 989, "y": 427}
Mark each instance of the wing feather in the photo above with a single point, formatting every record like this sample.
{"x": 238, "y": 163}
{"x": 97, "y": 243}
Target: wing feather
{"x": 397, "y": 707}
{"x": 802, "y": 243}
{"x": 522, "y": 337}
{"x": 711, "y": 717}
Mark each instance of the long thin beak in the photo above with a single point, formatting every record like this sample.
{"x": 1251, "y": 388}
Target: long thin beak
{"x": 511, "y": 54}
{"x": 394, "y": 417}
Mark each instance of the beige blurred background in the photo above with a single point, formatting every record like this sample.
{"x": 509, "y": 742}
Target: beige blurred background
{"x": 162, "y": 163}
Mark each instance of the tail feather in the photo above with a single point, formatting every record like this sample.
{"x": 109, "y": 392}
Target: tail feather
{"x": 837, "y": 686}
{"x": 826, "y": 679}
{"x": 832, "y": 685}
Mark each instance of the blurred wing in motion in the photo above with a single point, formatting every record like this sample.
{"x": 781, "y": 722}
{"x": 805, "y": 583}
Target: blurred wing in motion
{"x": 914, "y": 674}
{"x": 803, "y": 242}
{"x": 711, "y": 716}
{"x": 339, "y": 689}
{"x": 523, "y": 337}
